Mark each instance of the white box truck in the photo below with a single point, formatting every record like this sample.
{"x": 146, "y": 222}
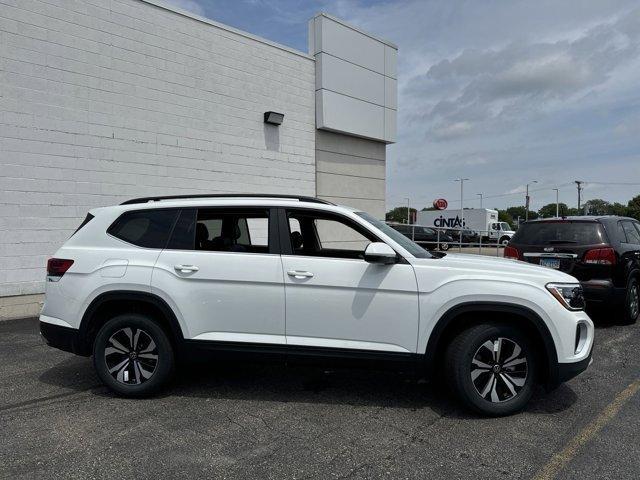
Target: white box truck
{"x": 482, "y": 220}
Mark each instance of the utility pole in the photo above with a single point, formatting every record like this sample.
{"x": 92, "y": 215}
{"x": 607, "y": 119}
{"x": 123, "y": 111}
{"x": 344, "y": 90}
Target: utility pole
{"x": 408, "y": 213}
{"x": 461, "y": 180}
{"x": 557, "y": 204}
{"x": 579, "y": 185}
{"x": 480, "y": 195}
{"x": 526, "y": 209}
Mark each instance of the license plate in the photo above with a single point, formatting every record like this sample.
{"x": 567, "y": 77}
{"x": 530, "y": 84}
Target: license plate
{"x": 550, "y": 262}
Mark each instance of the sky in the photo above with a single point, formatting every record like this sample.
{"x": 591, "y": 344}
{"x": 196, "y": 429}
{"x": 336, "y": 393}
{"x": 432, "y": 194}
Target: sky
{"x": 503, "y": 93}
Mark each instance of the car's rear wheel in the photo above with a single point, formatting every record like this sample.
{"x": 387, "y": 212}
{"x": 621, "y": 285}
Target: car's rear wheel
{"x": 444, "y": 247}
{"x": 132, "y": 355}
{"x": 491, "y": 369}
{"x": 632, "y": 302}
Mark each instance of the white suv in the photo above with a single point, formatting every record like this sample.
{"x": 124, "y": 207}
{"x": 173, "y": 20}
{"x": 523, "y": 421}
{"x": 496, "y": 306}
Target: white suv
{"x": 144, "y": 283}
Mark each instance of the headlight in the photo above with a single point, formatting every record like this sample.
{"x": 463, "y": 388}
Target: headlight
{"x": 568, "y": 294}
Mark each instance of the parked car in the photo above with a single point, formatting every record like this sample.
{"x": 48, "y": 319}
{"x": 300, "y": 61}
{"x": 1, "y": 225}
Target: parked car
{"x": 468, "y": 236}
{"x": 143, "y": 284}
{"x": 425, "y": 236}
{"x": 602, "y": 252}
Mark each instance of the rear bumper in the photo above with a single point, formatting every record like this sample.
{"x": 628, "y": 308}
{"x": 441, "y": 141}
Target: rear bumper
{"x": 57, "y": 336}
{"x": 602, "y": 291}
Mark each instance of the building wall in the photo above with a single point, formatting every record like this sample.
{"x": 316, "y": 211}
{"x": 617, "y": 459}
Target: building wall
{"x": 104, "y": 101}
{"x": 351, "y": 171}
{"x": 356, "y": 86}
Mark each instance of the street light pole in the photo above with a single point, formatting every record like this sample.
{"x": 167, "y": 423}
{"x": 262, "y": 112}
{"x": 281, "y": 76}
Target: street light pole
{"x": 461, "y": 180}
{"x": 408, "y": 213}
{"x": 480, "y": 195}
{"x": 526, "y": 210}
{"x": 579, "y": 185}
{"x": 557, "y": 203}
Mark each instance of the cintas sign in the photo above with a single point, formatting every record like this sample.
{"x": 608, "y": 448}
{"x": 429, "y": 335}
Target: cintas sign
{"x": 440, "y": 204}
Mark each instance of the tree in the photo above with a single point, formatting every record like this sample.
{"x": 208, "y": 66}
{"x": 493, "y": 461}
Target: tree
{"x": 549, "y": 210}
{"x": 521, "y": 212}
{"x": 505, "y": 217}
{"x": 633, "y": 207}
{"x": 597, "y": 206}
{"x": 399, "y": 215}
{"x": 618, "y": 209}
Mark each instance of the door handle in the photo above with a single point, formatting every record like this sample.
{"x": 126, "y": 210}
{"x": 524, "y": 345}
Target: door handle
{"x": 299, "y": 274}
{"x": 186, "y": 268}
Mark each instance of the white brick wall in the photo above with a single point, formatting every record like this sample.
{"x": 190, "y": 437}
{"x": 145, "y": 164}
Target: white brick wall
{"x": 104, "y": 100}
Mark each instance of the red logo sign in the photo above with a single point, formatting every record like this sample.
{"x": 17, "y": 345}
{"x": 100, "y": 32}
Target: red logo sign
{"x": 440, "y": 204}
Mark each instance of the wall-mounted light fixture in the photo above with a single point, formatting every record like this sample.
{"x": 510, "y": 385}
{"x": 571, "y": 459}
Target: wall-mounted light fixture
{"x": 274, "y": 118}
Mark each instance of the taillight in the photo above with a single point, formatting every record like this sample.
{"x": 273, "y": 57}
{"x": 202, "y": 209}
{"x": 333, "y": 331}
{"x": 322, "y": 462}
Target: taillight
{"x": 511, "y": 252}
{"x": 57, "y": 267}
{"x": 600, "y": 256}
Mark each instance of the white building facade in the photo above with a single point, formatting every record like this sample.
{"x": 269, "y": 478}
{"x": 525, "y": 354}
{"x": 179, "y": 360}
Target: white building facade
{"x": 105, "y": 101}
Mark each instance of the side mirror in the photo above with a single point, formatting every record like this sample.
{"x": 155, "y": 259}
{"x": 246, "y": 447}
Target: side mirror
{"x": 380, "y": 252}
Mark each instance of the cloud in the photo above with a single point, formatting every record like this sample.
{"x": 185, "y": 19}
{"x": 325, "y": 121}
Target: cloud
{"x": 491, "y": 86}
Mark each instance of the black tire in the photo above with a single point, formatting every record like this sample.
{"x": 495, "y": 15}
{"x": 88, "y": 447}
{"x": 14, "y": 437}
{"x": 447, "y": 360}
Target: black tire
{"x": 444, "y": 247}
{"x": 504, "y": 396}
{"x": 127, "y": 373}
{"x": 504, "y": 241}
{"x": 631, "y": 303}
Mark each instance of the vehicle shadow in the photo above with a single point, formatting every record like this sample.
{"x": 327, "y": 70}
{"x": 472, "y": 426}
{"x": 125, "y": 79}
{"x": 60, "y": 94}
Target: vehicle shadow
{"x": 300, "y": 384}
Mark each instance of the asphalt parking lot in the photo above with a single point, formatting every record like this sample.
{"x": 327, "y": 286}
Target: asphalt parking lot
{"x": 274, "y": 422}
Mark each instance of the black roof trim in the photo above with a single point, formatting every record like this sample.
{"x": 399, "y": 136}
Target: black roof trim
{"x": 300, "y": 198}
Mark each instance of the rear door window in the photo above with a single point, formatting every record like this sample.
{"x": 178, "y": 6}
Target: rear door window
{"x": 557, "y": 233}
{"x": 245, "y": 231}
{"x": 149, "y": 228}
{"x": 632, "y": 234}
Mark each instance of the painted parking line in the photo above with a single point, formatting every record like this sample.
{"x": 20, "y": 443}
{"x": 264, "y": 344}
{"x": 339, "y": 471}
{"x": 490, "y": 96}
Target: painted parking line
{"x": 561, "y": 459}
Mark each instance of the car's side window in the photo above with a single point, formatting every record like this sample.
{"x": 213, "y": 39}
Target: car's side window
{"x": 325, "y": 235}
{"x": 621, "y": 235}
{"x": 149, "y": 228}
{"x": 222, "y": 230}
{"x": 633, "y": 235}
{"x": 637, "y": 225}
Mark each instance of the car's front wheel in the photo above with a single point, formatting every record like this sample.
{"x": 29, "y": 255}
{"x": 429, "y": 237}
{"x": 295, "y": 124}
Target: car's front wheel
{"x": 504, "y": 241}
{"x": 132, "y": 355}
{"x": 491, "y": 368}
{"x": 444, "y": 247}
{"x": 632, "y": 302}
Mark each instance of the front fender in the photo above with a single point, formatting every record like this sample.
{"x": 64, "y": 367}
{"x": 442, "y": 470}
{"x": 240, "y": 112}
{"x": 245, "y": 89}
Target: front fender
{"x": 435, "y": 305}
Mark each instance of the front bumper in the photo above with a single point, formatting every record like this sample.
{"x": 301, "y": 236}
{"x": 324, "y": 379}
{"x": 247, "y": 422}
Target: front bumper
{"x": 57, "y": 336}
{"x": 567, "y": 371}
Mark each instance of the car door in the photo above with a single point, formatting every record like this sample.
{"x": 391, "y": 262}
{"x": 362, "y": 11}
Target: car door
{"x": 221, "y": 270}
{"x": 334, "y": 298}
{"x": 630, "y": 246}
{"x": 494, "y": 231}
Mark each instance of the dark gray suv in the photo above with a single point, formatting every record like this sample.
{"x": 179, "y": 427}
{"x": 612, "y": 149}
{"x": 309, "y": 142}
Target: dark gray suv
{"x": 602, "y": 252}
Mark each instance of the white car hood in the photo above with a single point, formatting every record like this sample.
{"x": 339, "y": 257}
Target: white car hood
{"x": 480, "y": 266}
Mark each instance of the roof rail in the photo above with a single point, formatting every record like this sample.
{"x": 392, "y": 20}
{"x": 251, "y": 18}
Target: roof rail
{"x": 300, "y": 198}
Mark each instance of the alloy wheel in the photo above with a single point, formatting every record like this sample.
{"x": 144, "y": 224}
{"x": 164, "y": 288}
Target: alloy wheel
{"x": 499, "y": 370}
{"x": 634, "y": 302}
{"x": 131, "y": 356}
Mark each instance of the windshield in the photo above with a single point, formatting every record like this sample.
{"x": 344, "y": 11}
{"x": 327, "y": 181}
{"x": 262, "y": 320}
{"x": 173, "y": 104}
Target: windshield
{"x": 504, "y": 226}
{"x": 413, "y": 248}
